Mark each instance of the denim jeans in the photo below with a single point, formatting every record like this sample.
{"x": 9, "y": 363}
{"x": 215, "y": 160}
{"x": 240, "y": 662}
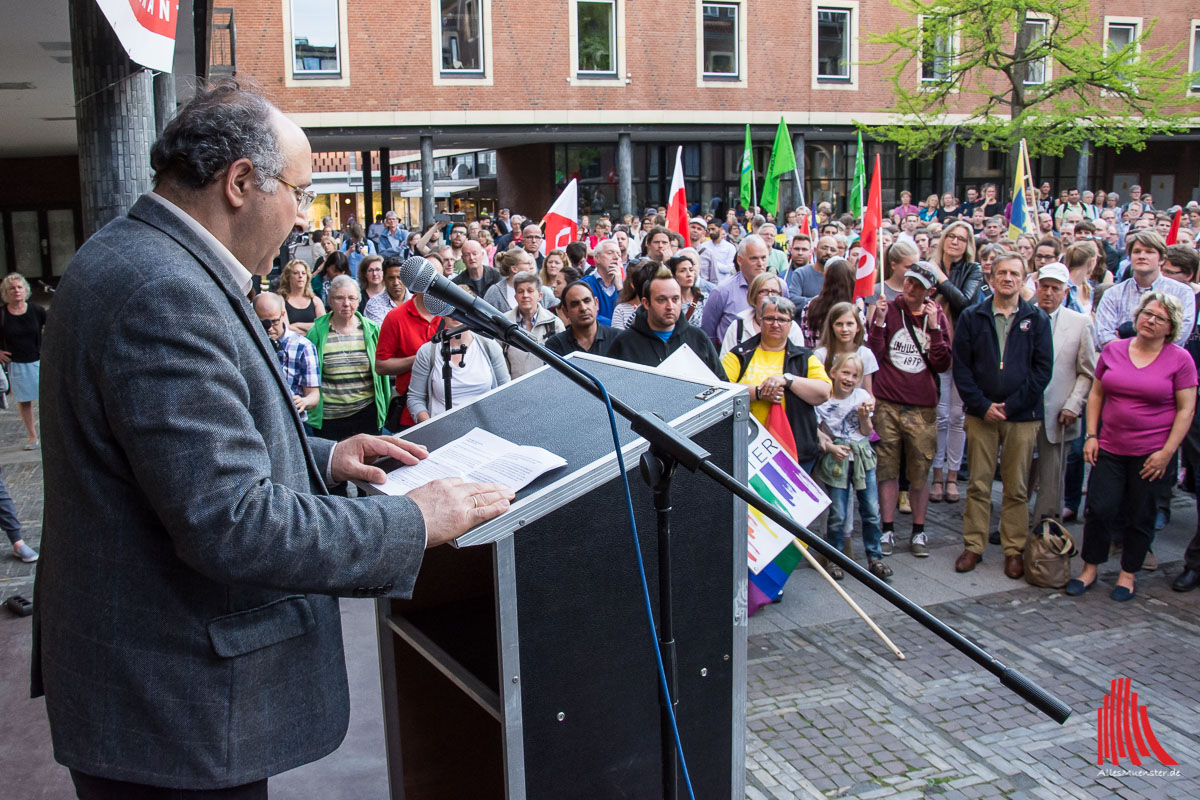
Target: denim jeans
{"x": 1073, "y": 474}
{"x": 8, "y": 515}
{"x": 868, "y": 510}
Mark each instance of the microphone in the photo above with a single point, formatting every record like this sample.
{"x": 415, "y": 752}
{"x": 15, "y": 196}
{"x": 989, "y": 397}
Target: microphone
{"x": 443, "y": 297}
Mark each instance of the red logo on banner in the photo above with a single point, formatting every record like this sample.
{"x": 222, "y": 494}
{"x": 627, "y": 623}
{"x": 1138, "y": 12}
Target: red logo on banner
{"x": 1123, "y": 728}
{"x": 156, "y": 16}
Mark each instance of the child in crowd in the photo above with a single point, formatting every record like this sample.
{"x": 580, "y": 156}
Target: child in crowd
{"x": 849, "y": 461}
{"x": 844, "y": 333}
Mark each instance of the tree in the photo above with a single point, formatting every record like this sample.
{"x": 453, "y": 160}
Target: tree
{"x": 1032, "y": 69}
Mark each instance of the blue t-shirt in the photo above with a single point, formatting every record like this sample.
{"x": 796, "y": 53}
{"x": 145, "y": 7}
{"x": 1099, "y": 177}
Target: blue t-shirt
{"x": 664, "y": 335}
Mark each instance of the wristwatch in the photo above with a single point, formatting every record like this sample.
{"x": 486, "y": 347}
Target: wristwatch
{"x": 787, "y": 380}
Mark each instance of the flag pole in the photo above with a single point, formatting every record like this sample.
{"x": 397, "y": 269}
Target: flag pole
{"x": 812, "y": 562}
{"x": 1031, "y": 210}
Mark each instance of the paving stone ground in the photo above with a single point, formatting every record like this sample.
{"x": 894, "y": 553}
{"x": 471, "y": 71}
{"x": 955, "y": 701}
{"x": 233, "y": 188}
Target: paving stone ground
{"x": 832, "y": 713}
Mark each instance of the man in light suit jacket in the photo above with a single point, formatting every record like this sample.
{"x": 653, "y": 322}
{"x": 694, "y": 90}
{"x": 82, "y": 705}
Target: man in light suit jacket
{"x": 1070, "y": 381}
{"x": 186, "y": 626}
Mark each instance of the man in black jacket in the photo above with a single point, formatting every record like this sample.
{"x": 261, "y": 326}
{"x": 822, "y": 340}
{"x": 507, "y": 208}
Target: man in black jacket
{"x": 1003, "y": 356}
{"x": 659, "y": 328}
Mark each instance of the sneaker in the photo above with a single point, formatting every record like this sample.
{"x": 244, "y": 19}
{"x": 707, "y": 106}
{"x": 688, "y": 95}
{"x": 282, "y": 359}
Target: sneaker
{"x": 905, "y": 506}
{"x": 25, "y": 553}
{"x": 880, "y": 570}
{"x": 919, "y": 546}
{"x": 887, "y": 544}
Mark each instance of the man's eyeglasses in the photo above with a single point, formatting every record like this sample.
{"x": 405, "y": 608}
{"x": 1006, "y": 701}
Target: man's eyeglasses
{"x": 304, "y": 197}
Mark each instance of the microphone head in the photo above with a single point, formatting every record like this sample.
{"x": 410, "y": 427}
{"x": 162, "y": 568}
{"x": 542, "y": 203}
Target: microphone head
{"x": 438, "y": 308}
{"x": 417, "y": 273}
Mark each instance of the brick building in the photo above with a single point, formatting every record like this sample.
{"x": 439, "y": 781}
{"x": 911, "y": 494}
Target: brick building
{"x": 577, "y": 89}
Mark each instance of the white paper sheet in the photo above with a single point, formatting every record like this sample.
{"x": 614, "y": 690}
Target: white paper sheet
{"x": 479, "y": 456}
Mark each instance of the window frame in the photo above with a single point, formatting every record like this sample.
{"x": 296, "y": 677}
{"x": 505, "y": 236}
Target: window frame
{"x": 612, "y": 29}
{"x": 822, "y": 82}
{"x": 1047, "y": 64}
{"x": 444, "y": 77}
{"x": 294, "y": 79}
{"x": 1133, "y": 22}
{"x": 1193, "y": 62}
{"x": 615, "y": 78}
{"x": 951, "y": 57}
{"x": 736, "y": 79}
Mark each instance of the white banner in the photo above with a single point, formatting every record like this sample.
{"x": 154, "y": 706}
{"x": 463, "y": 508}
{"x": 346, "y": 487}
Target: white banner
{"x": 146, "y": 29}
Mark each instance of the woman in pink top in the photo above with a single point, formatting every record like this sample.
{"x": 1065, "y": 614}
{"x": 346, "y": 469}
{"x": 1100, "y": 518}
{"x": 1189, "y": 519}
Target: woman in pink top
{"x": 1138, "y": 413}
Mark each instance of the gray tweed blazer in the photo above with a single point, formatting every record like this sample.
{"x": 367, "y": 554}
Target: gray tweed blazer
{"x": 186, "y": 626}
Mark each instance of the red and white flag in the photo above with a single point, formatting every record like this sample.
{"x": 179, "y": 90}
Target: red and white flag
{"x": 864, "y": 278}
{"x": 145, "y": 28}
{"x": 677, "y": 210}
{"x": 562, "y": 220}
{"x": 1173, "y": 234}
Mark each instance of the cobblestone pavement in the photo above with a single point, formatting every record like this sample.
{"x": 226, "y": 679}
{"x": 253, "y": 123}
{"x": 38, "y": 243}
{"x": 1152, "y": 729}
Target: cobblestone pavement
{"x": 831, "y": 713}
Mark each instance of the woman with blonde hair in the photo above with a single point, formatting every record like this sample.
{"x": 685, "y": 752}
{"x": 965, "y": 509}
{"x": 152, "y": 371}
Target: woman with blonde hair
{"x": 745, "y": 325}
{"x": 503, "y": 295}
{"x": 959, "y": 279}
{"x": 552, "y": 264}
{"x": 295, "y": 287}
{"x": 1083, "y": 261}
{"x": 21, "y": 324}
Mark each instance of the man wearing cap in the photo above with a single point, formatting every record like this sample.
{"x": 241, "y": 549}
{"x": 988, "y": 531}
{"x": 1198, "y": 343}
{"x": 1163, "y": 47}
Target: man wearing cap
{"x": 910, "y": 337}
{"x": 1071, "y": 376}
{"x": 1003, "y": 355}
{"x": 698, "y": 233}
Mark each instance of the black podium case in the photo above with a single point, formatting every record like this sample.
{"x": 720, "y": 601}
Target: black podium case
{"x": 523, "y": 665}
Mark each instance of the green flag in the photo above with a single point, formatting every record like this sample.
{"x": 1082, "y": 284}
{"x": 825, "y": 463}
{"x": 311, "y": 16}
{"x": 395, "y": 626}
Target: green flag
{"x": 783, "y": 161}
{"x": 747, "y": 194}
{"x": 858, "y": 184}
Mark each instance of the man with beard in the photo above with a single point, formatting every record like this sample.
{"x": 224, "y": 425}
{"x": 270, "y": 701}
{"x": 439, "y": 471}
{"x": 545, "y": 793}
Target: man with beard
{"x": 662, "y": 329}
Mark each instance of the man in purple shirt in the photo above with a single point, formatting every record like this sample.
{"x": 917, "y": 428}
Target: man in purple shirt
{"x": 729, "y": 298}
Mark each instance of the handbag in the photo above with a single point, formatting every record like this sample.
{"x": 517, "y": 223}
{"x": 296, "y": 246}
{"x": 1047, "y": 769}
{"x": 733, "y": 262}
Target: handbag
{"x": 1048, "y": 555}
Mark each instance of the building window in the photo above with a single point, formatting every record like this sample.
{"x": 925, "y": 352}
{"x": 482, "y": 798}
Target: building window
{"x": 1194, "y": 64}
{"x": 1036, "y": 73}
{"x": 937, "y": 52}
{"x": 1121, "y": 32}
{"x": 833, "y": 44}
{"x": 316, "y": 45}
{"x": 720, "y": 40}
{"x": 462, "y": 36}
{"x": 597, "y": 36}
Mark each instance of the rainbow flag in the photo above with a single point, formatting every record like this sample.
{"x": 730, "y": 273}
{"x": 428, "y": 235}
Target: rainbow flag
{"x": 773, "y": 553}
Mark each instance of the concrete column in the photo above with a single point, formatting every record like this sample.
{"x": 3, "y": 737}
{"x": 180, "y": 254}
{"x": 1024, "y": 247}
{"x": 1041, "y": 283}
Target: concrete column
{"x": 114, "y": 118}
{"x": 949, "y": 168}
{"x": 428, "y": 208}
{"x": 164, "y": 101}
{"x": 798, "y": 147}
{"x": 385, "y": 180}
{"x": 625, "y": 172}
{"x": 368, "y": 192}
{"x": 1084, "y": 178}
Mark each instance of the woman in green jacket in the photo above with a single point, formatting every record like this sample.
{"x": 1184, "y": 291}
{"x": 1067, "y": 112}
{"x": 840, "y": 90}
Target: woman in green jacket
{"x": 354, "y": 398}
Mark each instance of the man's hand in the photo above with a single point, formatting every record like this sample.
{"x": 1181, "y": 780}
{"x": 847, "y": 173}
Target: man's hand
{"x": 995, "y": 413}
{"x": 929, "y": 309}
{"x": 353, "y": 457}
{"x": 451, "y": 507}
{"x": 1067, "y": 418}
{"x": 5, "y": 357}
{"x": 880, "y": 312}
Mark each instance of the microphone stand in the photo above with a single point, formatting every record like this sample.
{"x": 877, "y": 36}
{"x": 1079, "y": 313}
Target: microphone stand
{"x": 671, "y": 447}
{"x": 443, "y": 336}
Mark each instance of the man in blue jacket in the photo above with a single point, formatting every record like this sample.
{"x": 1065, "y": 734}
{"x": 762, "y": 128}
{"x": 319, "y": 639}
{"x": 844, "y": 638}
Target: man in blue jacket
{"x": 1003, "y": 355}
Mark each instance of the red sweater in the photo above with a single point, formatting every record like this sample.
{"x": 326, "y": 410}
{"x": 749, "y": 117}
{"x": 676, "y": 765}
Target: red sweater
{"x": 903, "y": 377}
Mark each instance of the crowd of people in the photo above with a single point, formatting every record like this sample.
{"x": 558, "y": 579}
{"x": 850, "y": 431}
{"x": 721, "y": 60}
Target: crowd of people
{"x": 981, "y": 353}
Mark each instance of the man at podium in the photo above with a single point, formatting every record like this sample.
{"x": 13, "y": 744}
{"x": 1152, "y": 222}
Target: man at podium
{"x": 186, "y": 628}
{"x": 659, "y": 328}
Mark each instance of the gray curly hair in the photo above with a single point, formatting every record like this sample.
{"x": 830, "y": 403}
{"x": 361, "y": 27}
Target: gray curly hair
{"x": 222, "y": 123}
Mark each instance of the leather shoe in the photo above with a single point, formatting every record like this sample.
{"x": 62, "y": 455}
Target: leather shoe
{"x": 967, "y": 561}
{"x": 1189, "y": 579}
{"x": 1014, "y": 566}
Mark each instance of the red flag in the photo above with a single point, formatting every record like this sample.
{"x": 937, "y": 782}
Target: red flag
{"x": 781, "y": 429}
{"x": 1173, "y": 234}
{"x": 805, "y": 228}
{"x": 864, "y": 280}
{"x": 677, "y": 212}
{"x": 562, "y": 220}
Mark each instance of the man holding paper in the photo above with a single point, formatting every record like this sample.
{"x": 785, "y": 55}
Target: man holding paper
{"x": 186, "y": 631}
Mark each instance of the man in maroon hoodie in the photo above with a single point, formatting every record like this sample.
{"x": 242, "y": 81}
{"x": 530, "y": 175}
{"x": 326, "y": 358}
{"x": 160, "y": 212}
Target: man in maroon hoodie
{"x": 910, "y": 338}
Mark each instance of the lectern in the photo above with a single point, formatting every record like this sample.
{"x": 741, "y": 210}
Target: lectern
{"x": 523, "y": 666}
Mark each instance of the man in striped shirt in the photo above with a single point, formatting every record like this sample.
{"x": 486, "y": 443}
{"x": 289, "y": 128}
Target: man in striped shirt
{"x": 1147, "y": 251}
